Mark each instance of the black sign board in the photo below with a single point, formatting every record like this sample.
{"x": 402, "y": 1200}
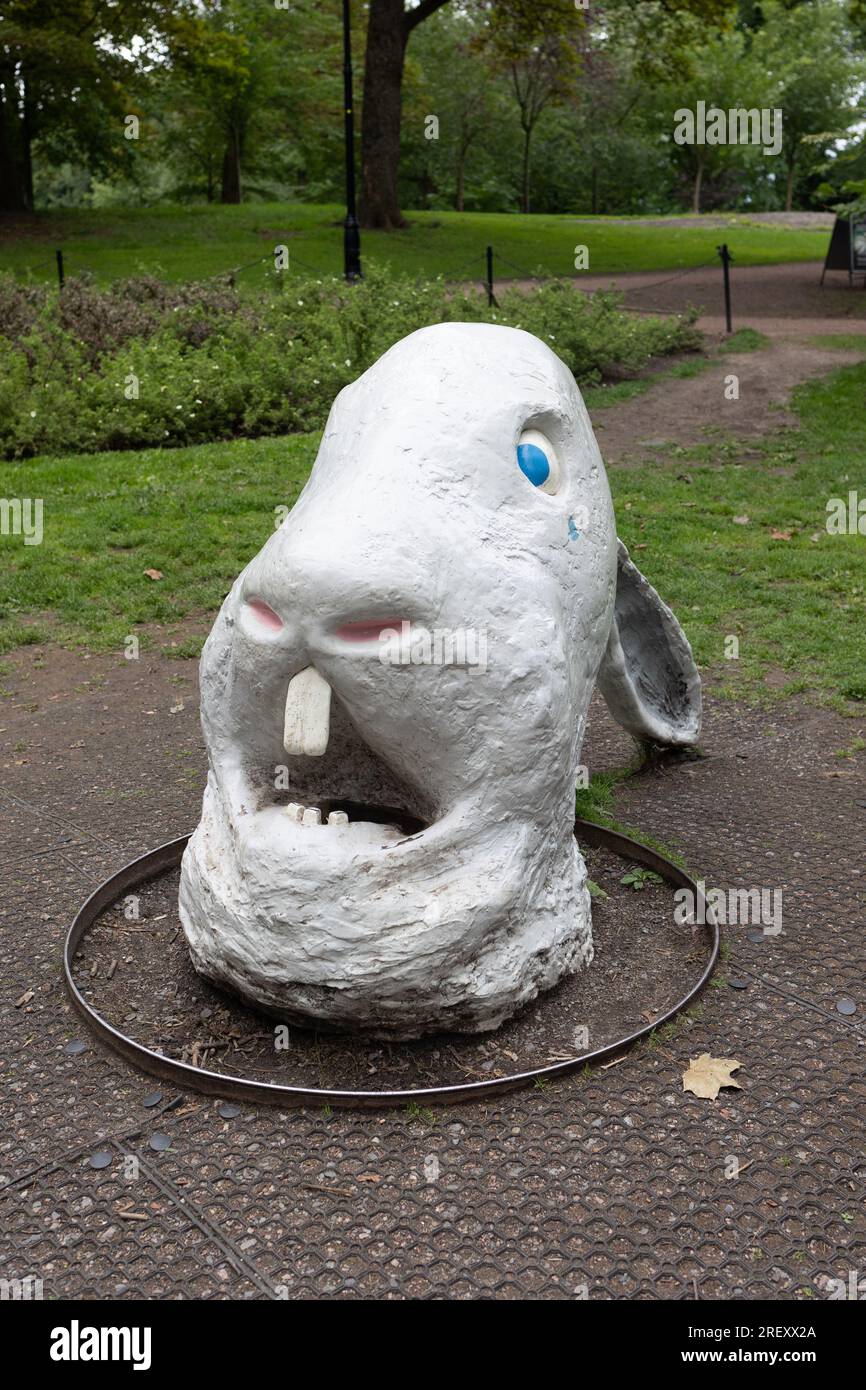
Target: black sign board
{"x": 847, "y": 249}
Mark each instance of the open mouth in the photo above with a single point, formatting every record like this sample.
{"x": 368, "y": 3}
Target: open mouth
{"x": 344, "y": 812}
{"x": 327, "y": 777}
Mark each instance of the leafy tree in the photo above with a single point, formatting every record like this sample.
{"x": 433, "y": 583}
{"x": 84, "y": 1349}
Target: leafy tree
{"x": 389, "y": 28}
{"x": 226, "y": 75}
{"x": 811, "y": 77}
{"x": 537, "y": 46}
{"x": 245, "y": 78}
{"x": 722, "y": 75}
{"x": 68, "y": 75}
{"x": 472, "y": 142}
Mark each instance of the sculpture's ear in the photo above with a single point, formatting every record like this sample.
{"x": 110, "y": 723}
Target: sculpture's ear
{"x": 647, "y": 674}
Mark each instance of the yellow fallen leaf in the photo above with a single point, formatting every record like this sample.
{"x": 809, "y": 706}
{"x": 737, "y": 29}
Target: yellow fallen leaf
{"x": 776, "y": 535}
{"x": 707, "y": 1074}
{"x": 153, "y": 574}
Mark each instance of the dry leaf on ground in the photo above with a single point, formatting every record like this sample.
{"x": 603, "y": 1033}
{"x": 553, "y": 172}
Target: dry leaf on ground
{"x": 153, "y": 574}
{"x": 707, "y": 1074}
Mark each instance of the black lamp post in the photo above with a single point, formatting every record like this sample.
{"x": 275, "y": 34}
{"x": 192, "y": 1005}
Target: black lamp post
{"x": 351, "y": 229}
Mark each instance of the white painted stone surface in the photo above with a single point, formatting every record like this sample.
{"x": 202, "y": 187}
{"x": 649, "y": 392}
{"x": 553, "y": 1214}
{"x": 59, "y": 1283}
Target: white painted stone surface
{"x": 460, "y": 903}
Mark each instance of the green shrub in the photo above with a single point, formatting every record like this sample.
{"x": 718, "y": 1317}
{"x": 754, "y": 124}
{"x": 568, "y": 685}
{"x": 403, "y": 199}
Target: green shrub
{"x": 145, "y": 364}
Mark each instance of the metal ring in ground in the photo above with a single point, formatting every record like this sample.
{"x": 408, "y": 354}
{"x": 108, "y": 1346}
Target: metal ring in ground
{"x": 167, "y": 856}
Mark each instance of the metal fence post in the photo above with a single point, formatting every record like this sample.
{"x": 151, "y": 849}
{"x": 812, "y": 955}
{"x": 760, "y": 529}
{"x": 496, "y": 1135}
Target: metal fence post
{"x": 726, "y": 261}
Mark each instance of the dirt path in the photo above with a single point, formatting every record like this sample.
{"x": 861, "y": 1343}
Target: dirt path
{"x": 691, "y": 410}
{"x": 758, "y": 292}
{"x": 784, "y": 302}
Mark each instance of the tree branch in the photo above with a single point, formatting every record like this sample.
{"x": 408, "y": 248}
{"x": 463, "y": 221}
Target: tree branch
{"x": 420, "y": 13}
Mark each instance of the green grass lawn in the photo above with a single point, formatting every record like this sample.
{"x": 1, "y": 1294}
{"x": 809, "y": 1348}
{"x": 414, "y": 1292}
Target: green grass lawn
{"x": 795, "y": 600}
{"x": 198, "y": 514}
{"x": 185, "y": 243}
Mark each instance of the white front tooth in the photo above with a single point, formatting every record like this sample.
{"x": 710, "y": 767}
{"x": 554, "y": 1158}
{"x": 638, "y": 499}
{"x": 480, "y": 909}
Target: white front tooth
{"x": 295, "y": 812}
{"x": 312, "y": 816}
{"x": 338, "y": 818}
{"x": 308, "y": 714}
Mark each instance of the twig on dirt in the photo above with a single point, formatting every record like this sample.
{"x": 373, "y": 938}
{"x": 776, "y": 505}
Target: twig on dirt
{"x": 467, "y": 1071}
{"x": 333, "y": 1191}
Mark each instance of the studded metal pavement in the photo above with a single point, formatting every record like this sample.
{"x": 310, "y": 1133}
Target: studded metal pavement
{"x": 608, "y": 1186}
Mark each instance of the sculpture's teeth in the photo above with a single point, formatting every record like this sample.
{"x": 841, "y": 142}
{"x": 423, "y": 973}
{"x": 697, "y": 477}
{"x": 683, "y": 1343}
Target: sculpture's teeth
{"x": 308, "y": 714}
{"x": 338, "y": 818}
{"x": 312, "y": 816}
{"x": 295, "y": 812}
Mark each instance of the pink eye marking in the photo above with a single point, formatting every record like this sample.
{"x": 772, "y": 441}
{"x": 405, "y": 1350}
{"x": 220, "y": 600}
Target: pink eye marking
{"x": 264, "y": 614}
{"x": 370, "y": 630}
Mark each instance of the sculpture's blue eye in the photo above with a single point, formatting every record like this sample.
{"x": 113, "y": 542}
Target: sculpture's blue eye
{"x": 537, "y": 461}
{"x": 533, "y": 463}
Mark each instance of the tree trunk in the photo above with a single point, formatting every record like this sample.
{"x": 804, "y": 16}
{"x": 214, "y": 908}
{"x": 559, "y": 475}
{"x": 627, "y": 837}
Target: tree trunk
{"x": 466, "y": 138}
{"x": 524, "y": 181}
{"x": 27, "y": 146}
{"x": 13, "y": 196}
{"x": 380, "y": 131}
{"x": 13, "y": 180}
{"x": 231, "y": 178}
{"x": 789, "y": 192}
{"x": 696, "y": 191}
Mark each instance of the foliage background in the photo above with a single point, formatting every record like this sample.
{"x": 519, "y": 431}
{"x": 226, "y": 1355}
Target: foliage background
{"x": 238, "y": 99}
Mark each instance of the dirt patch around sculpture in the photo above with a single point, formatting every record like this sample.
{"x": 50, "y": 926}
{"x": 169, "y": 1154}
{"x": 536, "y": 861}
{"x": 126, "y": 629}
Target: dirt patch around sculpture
{"x": 138, "y": 975}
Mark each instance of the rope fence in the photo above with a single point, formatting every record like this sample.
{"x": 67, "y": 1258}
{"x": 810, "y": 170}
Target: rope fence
{"x": 482, "y": 263}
